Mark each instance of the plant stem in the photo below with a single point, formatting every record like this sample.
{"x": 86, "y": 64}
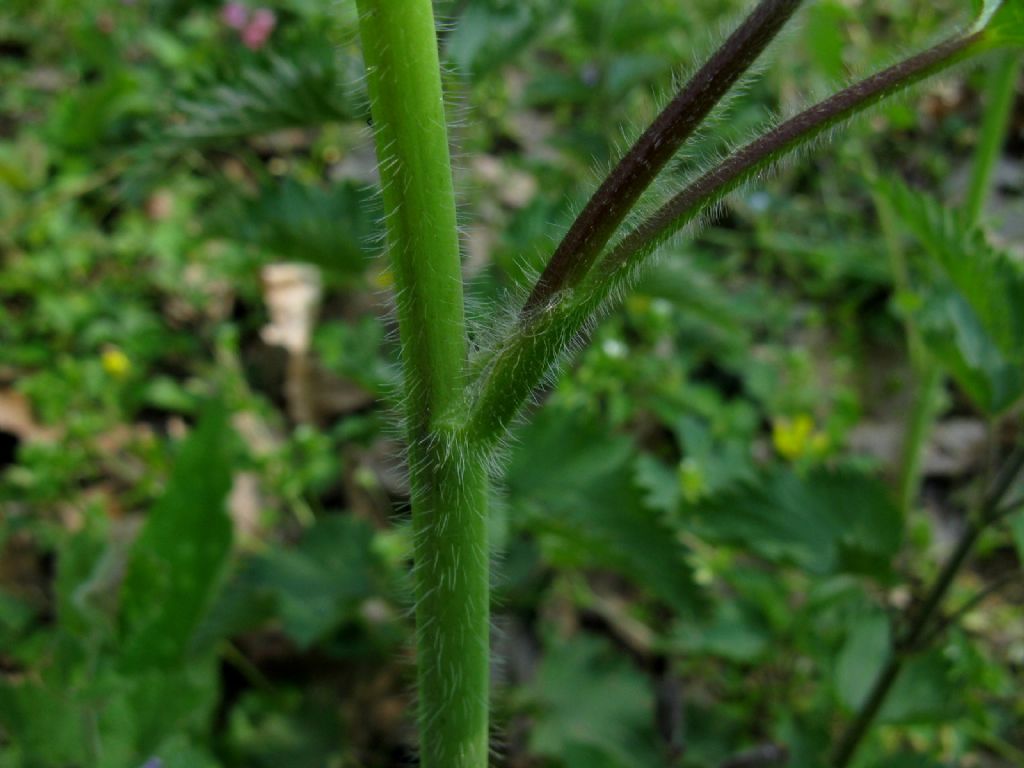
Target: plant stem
{"x": 928, "y": 377}
{"x": 1001, "y": 88}
{"x": 741, "y": 165}
{"x": 621, "y": 189}
{"x": 911, "y": 640}
{"x": 449, "y": 487}
{"x": 533, "y": 349}
{"x": 977, "y": 599}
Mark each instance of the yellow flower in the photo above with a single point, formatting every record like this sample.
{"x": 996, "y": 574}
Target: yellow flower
{"x": 795, "y": 438}
{"x": 115, "y": 362}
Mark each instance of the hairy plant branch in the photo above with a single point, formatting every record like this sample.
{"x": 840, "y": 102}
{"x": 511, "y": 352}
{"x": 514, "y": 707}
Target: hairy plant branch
{"x": 635, "y": 172}
{"x": 534, "y": 348}
{"x": 773, "y": 145}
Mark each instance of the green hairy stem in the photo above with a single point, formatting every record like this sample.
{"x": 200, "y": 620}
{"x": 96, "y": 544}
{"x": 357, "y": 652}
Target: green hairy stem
{"x": 455, "y": 420}
{"x": 449, "y": 489}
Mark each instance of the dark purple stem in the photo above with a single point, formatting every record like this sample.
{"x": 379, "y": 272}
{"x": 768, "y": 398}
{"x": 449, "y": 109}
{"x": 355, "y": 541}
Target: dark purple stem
{"x": 619, "y": 192}
{"x": 743, "y": 163}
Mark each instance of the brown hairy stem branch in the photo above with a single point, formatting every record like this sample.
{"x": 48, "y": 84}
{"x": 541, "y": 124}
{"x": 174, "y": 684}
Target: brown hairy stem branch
{"x": 619, "y": 192}
{"x": 743, "y": 163}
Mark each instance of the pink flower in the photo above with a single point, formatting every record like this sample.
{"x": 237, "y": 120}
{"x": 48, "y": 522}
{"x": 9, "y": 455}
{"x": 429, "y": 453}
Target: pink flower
{"x": 234, "y": 15}
{"x": 257, "y": 31}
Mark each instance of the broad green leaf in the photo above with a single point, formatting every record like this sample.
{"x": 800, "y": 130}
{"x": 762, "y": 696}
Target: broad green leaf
{"x": 734, "y": 633}
{"x": 176, "y": 561}
{"x": 321, "y": 582}
{"x": 50, "y": 730}
{"x": 972, "y": 313}
{"x": 862, "y": 655}
{"x": 288, "y": 728}
{"x": 825, "y": 521}
{"x": 487, "y": 35}
{"x": 243, "y": 604}
{"x": 311, "y": 588}
{"x": 159, "y": 704}
{"x": 1003, "y": 21}
{"x": 60, "y": 718}
{"x": 572, "y": 485}
{"x": 592, "y": 708}
{"x": 924, "y": 691}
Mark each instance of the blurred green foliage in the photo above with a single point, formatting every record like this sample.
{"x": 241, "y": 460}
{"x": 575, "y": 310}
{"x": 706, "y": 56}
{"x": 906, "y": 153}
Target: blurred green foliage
{"x": 694, "y": 552}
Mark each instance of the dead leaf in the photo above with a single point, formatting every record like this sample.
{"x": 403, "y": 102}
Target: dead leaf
{"x": 292, "y": 294}
{"x": 16, "y": 419}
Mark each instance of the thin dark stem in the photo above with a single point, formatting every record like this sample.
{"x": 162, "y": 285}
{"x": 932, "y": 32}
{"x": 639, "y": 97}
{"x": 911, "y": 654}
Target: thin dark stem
{"x": 911, "y": 639}
{"x": 761, "y": 152}
{"x": 1002, "y": 484}
{"x": 1006, "y": 510}
{"x": 868, "y": 711}
{"x": 916, "y": 634}
{"x": 534, "y": 346}
{"x": 619, "y": 192}
{"x": 908, "y": 643}
{"x": 954, "y": 618}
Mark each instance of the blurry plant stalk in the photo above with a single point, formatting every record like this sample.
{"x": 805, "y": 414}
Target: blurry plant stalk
{"x": 457, "y": 414}
{"x": 1000, "y": 89}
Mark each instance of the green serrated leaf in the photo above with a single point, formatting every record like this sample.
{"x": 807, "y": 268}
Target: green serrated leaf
{"x": 594, "y": 708}
{"x": 311, "y": 588}
{"x": 825, "y": 522}
{"x": 599, "y": 519}
{"x": 972, "y": 315}
{"x": 322, "y": 581}
{"x": 176, "y": 561}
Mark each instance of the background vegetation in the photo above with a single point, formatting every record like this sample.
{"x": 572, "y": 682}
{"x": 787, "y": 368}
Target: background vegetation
{"x": 703, "y": 543}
